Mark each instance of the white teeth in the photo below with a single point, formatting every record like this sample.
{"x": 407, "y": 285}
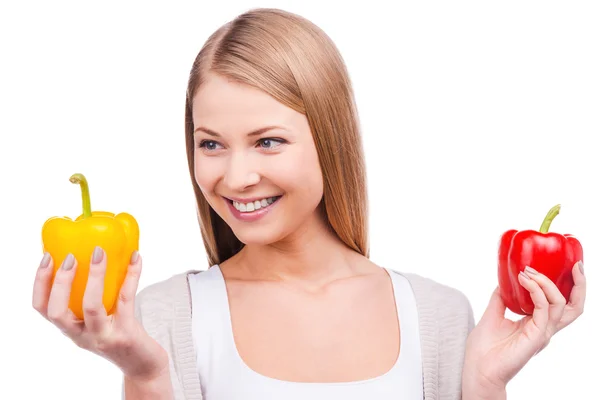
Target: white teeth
{"x": 255, "y": 205}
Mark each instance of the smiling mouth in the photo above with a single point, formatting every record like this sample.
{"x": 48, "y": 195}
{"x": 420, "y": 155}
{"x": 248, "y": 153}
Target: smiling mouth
{"x": 253, "y": 205}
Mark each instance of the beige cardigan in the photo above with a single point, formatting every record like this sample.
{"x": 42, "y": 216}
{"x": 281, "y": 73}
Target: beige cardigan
{"x": 445, "y": 320}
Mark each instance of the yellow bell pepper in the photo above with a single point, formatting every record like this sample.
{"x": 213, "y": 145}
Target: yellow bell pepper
{"x": 117, "y": 234}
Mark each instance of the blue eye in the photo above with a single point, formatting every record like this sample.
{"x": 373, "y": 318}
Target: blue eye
{"x": 208, "y": 144}
{"x": 265, "y": 143}
{"x": 270, "y": 143}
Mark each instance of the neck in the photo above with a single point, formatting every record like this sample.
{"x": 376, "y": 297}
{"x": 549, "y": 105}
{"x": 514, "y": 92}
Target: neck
{"x": 313, "y": 253}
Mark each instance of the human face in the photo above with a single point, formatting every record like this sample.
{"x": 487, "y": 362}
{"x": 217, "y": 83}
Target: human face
{"x": 252, "y": 150}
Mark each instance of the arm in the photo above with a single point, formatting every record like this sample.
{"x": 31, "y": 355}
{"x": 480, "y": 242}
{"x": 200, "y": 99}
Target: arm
{"x": 473, "y": 391}
{"x": 147, "y": 385}
{"x": 154, "y": 309}
{"x": 158, "y": 388}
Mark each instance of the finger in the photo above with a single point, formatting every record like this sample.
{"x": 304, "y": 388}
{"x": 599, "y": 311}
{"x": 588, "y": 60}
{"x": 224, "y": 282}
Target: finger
{"x": 555, "y": 298}
{"x": 58, "y": 303}
{"x": 94, "y": 313}
{"x": 574, "y": 307}
{"x": 496, "y": 308}
{"x": 125, "y": 305}
{"x": 535, "y": 328}
{"x": 43, "y": 285}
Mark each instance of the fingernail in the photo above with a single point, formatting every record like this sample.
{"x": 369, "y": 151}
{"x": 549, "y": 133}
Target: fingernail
{"x": 98, "y": 255}
{"x": 530, "y": 270}
{"x": 524, "y": 275}
{"x": 68, "y": 262}
{"x": 134, "y": 257}
{"x": 580, "y": 263}
{"x": 45, "y": 260}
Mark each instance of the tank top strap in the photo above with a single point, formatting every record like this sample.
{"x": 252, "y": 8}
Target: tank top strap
{"x": 211, "y": 324}
{"x": 410, "y": 342}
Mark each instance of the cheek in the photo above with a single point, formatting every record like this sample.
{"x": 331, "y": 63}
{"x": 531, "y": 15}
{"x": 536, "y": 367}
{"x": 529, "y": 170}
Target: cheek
{"x": 300, "y": 174}
{"x": 207, "y": 174}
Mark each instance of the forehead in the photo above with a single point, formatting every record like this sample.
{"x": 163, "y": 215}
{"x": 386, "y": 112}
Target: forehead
{"x": 226, "y": 105}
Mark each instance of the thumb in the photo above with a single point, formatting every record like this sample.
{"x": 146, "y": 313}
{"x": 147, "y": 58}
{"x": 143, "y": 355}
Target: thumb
{"x": 125, "y": 304}
{"x": 495, "y": 309}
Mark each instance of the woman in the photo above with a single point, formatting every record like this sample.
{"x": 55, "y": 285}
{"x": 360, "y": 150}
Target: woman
{"x": 291, "y": 306}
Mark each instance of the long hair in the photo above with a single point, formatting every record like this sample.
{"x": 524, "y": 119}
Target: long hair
{"x": 296, "y": 63}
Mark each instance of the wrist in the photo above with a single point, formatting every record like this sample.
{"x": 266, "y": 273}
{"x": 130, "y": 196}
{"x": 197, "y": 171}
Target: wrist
{"x": 474, "y": 388}
{"x": 145, "y": 361}
{"x": 149, "y": 378}
{"x": 478, "y": 393}
{"x": 155, "y": 387}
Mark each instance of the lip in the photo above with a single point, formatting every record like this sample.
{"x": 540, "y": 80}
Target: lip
{"x": 250, "y": 199}
{"x": 251, "y": 216}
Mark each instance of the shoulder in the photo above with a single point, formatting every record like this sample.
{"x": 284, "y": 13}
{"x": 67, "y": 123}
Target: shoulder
{"x": 165, "y": 289}
{"x": 436, "y": 293}
{"x": 163, "y": 303}
{"x": 447, "y": 305}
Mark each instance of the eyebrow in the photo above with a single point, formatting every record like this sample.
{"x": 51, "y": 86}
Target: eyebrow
{"x": 253, "y": 133}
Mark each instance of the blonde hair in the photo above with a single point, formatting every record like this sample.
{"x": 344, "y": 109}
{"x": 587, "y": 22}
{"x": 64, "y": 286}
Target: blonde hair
{"x": 295, "y": 62}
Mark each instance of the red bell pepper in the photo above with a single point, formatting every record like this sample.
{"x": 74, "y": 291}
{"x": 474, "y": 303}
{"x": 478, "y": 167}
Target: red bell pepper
{"x": 551, "y": 254}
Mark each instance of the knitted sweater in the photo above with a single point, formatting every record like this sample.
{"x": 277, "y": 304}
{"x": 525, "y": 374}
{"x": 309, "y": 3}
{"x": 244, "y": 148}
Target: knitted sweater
{"x": 445, "y": 320}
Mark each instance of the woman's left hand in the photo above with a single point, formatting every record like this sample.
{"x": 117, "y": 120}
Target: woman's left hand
{"x": 497, "y": 348}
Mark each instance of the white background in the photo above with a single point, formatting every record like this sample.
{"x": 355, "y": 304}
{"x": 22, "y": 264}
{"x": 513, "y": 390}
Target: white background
{"x": 477, "y": 117}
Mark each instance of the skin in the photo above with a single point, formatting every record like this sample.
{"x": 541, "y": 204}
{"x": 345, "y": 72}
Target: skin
{"x": 498, "y": 348}
{"x": 304, "y": 307}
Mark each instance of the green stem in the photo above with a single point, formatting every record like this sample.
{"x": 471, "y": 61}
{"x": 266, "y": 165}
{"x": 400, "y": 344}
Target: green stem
{"x": 549, "y": 217}
{"x": 85, "y": 193}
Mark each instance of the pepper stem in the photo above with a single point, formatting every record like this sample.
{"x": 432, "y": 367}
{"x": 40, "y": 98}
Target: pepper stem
{"x": 554, "y": 211}
{"x": 85, "y": 193}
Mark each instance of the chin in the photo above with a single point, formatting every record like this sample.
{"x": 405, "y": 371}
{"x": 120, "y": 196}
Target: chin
{"x": 257, "y": 236}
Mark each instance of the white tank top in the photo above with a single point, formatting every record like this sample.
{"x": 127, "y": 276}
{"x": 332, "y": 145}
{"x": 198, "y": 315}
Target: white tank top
{"x": 224, "y": 375}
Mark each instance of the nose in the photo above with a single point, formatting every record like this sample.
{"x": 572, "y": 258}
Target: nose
{"x": 241, "y": 173}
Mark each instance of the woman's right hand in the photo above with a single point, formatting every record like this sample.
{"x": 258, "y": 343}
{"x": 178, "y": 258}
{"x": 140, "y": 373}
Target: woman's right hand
{"x": 119, "y": 338}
